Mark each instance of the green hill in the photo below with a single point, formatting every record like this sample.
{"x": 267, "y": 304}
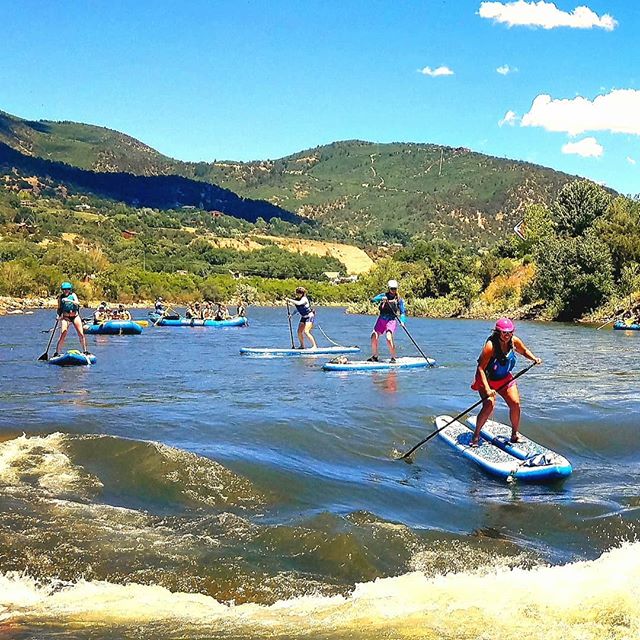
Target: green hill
{"x": 359, "y": 191}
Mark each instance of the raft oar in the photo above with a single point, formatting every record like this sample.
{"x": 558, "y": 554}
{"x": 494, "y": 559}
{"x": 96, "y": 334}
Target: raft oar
{"x": 45, "y": 355}
{"x": 293, "y": 346}
{"x": 155, "y": 324}
{"x": 431, "y": 364}
{"x": 405, "y": 456}
{"x": 605, "y": 324}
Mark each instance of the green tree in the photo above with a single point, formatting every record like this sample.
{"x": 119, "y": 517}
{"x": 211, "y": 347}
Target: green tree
{"x": 538, "y": 225}
{"x": 578, "y": 205}
{"x": 574, "y": 275}
{"x": 620, "y": 229}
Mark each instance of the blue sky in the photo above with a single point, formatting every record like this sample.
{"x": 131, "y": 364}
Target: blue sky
{"x": 249, "y": 80}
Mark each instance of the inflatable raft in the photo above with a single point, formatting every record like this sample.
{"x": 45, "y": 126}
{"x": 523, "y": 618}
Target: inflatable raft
{"x": 240, "y": 321}
{"x": 73, "y": 358}
{"x": 113, "y": 328}
{"x": 623, "y": 326}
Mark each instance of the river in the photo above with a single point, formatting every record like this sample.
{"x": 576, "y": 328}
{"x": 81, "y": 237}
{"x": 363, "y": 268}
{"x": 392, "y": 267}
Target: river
{"x": 177, "y": 489}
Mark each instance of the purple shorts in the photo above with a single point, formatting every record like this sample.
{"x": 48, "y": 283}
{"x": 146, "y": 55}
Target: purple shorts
{"x": 382, "y": 326}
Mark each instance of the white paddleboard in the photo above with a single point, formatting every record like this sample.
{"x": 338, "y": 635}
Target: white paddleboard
{"x": 276, "y": 353}
{"x": 501, "y": 462}
{"x": 366, "y": 365}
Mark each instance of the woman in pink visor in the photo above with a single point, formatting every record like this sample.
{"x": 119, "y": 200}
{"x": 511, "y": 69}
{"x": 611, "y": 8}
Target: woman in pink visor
{"x": 495, "y": 363}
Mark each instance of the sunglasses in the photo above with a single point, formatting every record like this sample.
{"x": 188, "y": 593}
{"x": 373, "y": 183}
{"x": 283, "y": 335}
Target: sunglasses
{"x": 506, "y": 333}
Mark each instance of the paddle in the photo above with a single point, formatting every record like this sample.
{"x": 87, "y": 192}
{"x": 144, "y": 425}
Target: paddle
{"x": 431, "y": 364}
{"x": 406, "y": 455}
{"x": 45, "y": 355}
{"x": 168, "y": 308}
{"x": 293, "y": 346}
{"x": 605, "y": 324}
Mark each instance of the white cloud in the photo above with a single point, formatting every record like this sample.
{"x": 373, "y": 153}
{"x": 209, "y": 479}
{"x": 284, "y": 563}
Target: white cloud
{"x": 505, "y": 69}
{"x": 617, "y": 112}
{"x": 434, "y": 73}
{"x": 630, "y": 160}
{"x": 587, "y": 148}
{"x": 544, "y": 14}
{"x": 509, "y": 118}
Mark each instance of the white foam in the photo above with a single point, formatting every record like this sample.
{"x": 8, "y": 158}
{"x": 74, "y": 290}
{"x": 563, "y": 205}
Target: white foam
{"x": 41, "y": 461}
{"x": 589, "y": 600}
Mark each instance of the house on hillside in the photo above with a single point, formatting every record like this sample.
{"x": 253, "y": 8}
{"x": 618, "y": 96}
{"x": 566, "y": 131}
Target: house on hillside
{"x": 335, "y": 278}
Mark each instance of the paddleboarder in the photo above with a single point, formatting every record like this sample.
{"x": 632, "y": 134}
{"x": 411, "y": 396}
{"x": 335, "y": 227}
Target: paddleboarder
{"x": 69, "y": 314}
{"x": 307, "y": 315}
{"x": 497, "y": 359}
{"x": 391, "y": 307}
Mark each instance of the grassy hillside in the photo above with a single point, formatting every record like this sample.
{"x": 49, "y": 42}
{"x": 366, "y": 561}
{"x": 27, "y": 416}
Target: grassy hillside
{"x": 84, "y": 146}
{"x": 163, "y": 192}
{"x": 393, "y": 191}
{"x": 361, "y": 191}
{"x": 51, "y": 232}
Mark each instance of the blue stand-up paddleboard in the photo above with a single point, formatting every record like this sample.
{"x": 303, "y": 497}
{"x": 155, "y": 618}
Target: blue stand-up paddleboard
{"x": 525, "y": 460}
{"x": 158, "y": 321}
{"x": 73, "y": 358}
{"x": 382, "y": 365}
{"x": 623, "y": 326}
{"x": 279, "y": 353}
{"x": 114, "y": 327}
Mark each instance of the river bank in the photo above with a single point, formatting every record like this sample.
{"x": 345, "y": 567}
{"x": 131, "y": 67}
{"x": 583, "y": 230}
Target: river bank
{"x": 434, "y": 308}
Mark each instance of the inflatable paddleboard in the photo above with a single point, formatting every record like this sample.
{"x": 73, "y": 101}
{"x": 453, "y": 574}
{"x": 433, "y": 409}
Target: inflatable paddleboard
{"x": 623, "y": 326}
{"x": 114, "y": 327}
{"x": 499, "y": 459}
{"x": 73, "y": 358}
{"x": 240, "y": 321}
{"x": 382, "y": 365}
{"x": 277, "y": 353}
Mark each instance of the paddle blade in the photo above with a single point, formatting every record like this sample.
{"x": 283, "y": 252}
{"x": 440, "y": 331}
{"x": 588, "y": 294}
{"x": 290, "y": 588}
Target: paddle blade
{"x": 406, "y": 457}
{"x": 44, "y": 356}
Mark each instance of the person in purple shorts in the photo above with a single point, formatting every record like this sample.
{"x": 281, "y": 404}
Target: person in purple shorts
{"x": 392, "y": 309}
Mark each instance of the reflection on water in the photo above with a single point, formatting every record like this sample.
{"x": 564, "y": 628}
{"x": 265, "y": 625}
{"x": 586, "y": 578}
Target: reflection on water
{"x": 387, "y": 381}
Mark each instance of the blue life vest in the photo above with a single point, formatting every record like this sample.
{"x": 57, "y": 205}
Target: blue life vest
{"x": 501, "y": 363}
{"x": 69, "y": 304}
{"x": 304, "y": 309}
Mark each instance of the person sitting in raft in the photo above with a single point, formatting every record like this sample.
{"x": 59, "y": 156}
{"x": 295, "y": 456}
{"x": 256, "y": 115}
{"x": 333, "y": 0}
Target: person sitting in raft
{"x": 159, "y": 306}
{"x": 497, "y": 359}
{"x": 101, "y": 314}
{"x": 241, "y": 310}
{"x": 69, "y": 313}
{"x": 631, "y": 316}
{"x": 221, "y": 312}
{"x": 123, "y": 314}
{"x": 307, "y": 315}
{"x": 392, "y": 309}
